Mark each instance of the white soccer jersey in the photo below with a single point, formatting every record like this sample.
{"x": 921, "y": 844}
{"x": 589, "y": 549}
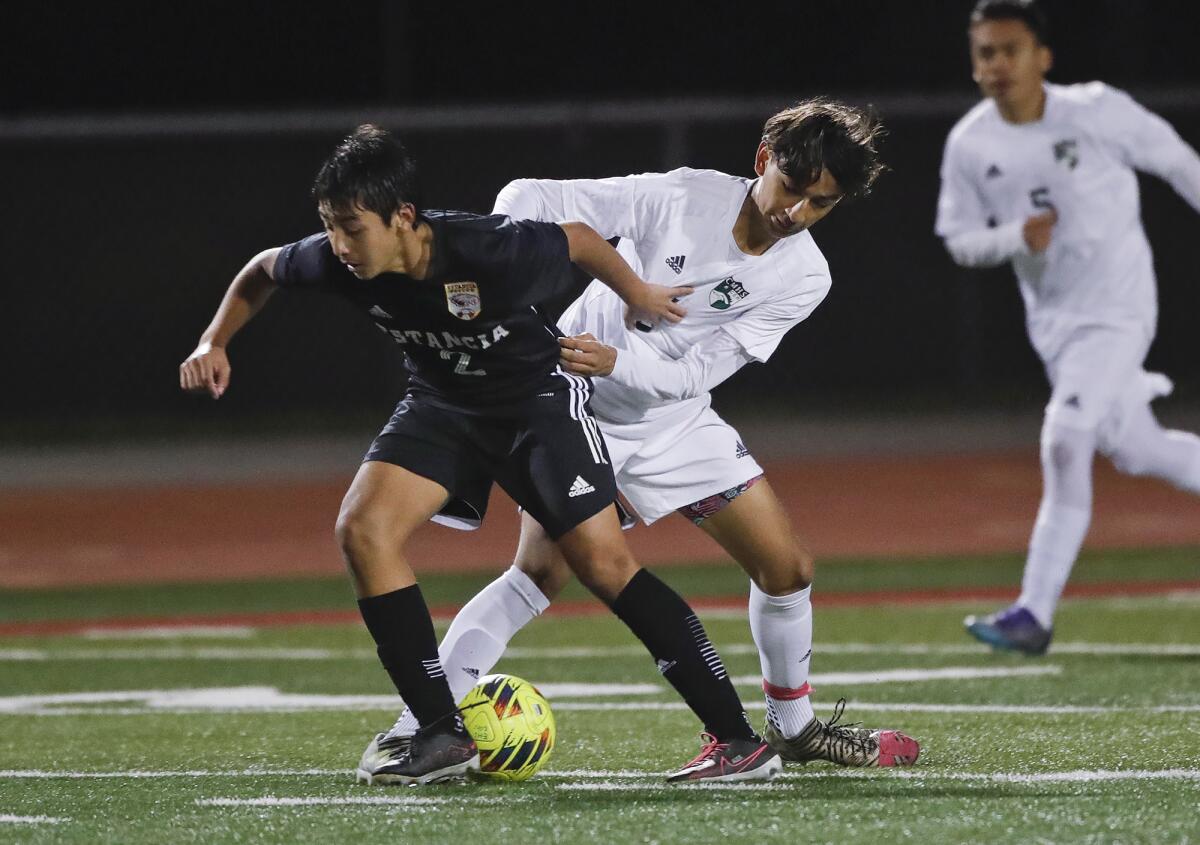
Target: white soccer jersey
{"x": 677, "y": 229}
{"x": 1079, "y": 159}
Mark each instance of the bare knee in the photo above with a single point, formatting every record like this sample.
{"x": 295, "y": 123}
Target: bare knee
{"x": 787, "y": 573}
{"x": 540, "y": 559}
{"x": 362, "y": 535}
{"x": 605, "y": 572}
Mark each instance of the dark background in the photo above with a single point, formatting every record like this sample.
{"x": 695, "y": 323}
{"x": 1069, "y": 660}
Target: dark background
{"x": 147, "y": 151}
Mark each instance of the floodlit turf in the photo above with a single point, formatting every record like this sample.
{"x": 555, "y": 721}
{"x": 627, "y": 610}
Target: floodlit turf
{"x": 1099, "y": 741}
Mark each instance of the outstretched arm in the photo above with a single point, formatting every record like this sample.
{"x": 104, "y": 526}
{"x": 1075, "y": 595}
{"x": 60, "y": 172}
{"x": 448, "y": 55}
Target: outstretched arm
{"x": 207, "y": 368}
{"x": 596, "y": 257}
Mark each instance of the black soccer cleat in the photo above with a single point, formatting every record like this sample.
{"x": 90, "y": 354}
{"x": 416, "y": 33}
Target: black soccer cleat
{"x": 443, "y": 751}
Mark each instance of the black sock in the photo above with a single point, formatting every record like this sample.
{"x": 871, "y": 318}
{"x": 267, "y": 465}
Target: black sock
{"x": 675, "y": 638}
{"x": 403, "y": 631}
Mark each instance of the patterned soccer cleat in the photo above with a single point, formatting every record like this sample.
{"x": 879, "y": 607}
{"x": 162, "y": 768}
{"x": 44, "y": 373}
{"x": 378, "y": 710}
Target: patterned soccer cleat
{"x": 846, "y": 745}
{"x": 730, "y": 762}
{"x": 434, "y": 754}
{"x": 1013, "y": 628}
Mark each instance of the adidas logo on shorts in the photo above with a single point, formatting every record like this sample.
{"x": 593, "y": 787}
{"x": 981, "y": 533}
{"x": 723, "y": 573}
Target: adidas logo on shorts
{"x": 580, "y": 487}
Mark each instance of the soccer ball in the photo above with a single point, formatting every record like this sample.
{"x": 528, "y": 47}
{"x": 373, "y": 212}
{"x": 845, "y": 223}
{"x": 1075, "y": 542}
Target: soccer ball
{"x": 512, "y": 726}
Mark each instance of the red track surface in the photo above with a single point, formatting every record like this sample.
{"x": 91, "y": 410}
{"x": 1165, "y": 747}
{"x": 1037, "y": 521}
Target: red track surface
{"x": 585, "y": 607}
{"x": 910, "y": 506}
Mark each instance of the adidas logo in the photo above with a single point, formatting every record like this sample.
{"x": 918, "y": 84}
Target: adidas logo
{"x": 579, "y": 487}
{"x": 664, "y": 666}
{"x": 741, "y": 451}
{"x": 474, "y": 673}
{"x": 376, "y": 311}
{"x": 993, "y": 172}
{"x": 675, "y": 262}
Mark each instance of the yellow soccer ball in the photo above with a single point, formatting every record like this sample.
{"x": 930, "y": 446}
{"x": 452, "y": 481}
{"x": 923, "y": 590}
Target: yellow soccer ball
{"x": 512, "y": 726}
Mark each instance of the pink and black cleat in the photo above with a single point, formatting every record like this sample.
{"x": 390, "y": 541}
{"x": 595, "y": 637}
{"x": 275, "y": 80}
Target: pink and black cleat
{"x": 730, "y": 762}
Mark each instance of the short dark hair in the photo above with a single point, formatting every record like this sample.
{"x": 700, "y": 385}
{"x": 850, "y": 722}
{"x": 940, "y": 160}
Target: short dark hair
{"x": 822, "y": 134}
{"x": 1026, "y": 11}
{"x": 370, "y": 169}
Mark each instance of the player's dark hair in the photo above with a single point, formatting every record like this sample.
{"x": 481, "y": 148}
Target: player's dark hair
{"x": 1026, "y": 11}
{"x": 822, "y": 134}
{"x": 370, "y": 169}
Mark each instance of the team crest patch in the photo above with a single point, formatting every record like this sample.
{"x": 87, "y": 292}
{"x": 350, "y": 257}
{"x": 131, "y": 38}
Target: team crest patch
{"x": 1067, "y": 152}
{"x": 725, "y": 294}
{"x": 462, "y": 300}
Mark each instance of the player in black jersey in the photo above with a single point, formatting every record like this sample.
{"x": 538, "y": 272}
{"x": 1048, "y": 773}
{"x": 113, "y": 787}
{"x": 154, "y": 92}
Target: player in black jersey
{"x": 486, "y": 401}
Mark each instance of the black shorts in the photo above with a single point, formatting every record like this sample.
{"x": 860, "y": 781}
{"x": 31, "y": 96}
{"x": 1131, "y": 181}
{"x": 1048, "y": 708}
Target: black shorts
{"x": 552, "y": 461}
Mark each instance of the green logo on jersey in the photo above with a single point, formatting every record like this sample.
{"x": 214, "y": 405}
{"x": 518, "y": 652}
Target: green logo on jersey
{"x": 1067, "y": 152}
{"x": 727, "y": 293}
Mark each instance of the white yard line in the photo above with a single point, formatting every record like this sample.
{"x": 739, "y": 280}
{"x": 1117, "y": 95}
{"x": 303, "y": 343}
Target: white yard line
{"x": 915, "y": 707}
{"x": 166, "y": 632}
{"x": 612, "y": 781}
{"x": 565, "y": 697}
{"x": 890, "y": 676}
{"x": 9, "y": 819}
{"x": 604, "y": 779}
{"x": 267, "y": 653}
{"x": 145, "y": 774}
{"x": 369, "y": 800}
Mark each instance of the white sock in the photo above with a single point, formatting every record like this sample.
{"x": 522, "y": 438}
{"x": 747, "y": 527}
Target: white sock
{"x": 1146, "y": 448}
{"x": 1062, "y": 520}
{"x": 782, "y": 630}
{"x": 479, "y": 634}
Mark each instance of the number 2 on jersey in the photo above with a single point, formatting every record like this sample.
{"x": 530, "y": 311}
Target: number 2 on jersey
{"x": 464, "y": 361}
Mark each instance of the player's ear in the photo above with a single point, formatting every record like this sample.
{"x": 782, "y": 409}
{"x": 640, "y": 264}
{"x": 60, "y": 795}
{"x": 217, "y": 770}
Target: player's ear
{"x": 761, "y": 157}
{"x": 1045, "y": 59}
{"x": 404, "y": 218}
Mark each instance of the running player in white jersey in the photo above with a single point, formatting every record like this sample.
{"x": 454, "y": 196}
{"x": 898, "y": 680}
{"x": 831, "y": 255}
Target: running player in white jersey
{"x": 1042, "y": 176}
{"x": 743, "y": 245}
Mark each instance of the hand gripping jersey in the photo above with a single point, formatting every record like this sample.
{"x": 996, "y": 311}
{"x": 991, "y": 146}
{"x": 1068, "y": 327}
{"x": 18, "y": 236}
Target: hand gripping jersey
{"x": 676, "y": 229}
{"x": 473, "y": 336}
{"x": 1079, "y": 159}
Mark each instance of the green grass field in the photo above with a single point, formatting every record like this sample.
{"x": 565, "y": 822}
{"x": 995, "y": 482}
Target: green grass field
{"x": 250, "y": 734}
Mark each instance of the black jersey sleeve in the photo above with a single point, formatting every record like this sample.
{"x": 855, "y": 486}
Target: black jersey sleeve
{"x": 537, "y": 259}
{"x": 307, "y": 264}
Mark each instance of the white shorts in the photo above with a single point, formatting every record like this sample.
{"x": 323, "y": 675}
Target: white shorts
{"x": 675, "y": 461}
{"x": 1097, "y": 378}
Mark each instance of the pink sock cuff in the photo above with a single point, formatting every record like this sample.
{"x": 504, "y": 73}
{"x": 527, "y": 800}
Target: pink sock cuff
{"x": 784, "y": 693}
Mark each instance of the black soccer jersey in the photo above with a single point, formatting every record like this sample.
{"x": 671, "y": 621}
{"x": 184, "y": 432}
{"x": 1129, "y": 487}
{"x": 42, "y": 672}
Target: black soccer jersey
{"x": 473, "y": 334}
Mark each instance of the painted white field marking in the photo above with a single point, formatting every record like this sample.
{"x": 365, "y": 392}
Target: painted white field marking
{"x": 8, "y": 819}
{"x": 147, "y": 774}
{"x": 1051, "y": 710}
{"x": 371, "y": 800}
{"x": 567, "y": 652}
{"x": 223, "y": 632}
{"x": 612, "y": 784}
{"x": 612, "y": 780}
{"x": 891, "y": 676}
{"x": 242, "y": 699}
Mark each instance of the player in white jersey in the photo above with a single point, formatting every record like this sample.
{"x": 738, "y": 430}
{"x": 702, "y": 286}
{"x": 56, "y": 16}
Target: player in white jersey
{"x": 743, "y": 246}
{"x": 1043, "y": 176}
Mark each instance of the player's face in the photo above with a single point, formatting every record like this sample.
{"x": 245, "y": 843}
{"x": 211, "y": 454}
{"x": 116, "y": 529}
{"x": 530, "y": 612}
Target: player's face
{"x": 361, "y": 240}
{"x": 788, "y": 208}
{"x": 1007, "y": 61}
